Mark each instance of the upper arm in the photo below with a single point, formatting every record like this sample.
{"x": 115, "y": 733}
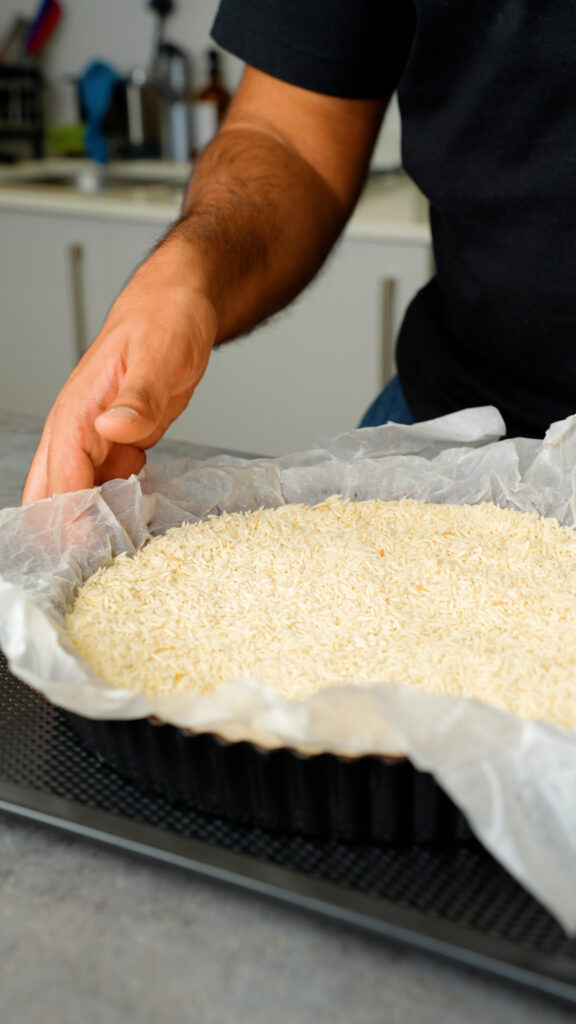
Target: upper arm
{"x": 334, "y": 136}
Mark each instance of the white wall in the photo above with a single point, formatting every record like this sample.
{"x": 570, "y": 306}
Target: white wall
{"x": 121, "y": 32}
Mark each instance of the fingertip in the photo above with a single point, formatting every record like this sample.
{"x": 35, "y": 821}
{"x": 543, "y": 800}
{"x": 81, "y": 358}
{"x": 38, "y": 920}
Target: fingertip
{"x": 31, "y": 493}
{"x": 118, "y": 423}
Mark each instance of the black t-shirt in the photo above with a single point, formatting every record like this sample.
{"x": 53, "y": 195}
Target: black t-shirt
{"x": 487, "y": 94}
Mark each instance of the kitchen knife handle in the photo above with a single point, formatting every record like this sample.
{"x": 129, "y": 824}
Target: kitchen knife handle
{"x": 76, "y": 263}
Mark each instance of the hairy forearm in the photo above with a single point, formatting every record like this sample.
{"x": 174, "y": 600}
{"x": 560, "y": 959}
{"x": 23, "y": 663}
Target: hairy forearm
{"x": 262, "y": 211}
{"x": 257, "y": 223}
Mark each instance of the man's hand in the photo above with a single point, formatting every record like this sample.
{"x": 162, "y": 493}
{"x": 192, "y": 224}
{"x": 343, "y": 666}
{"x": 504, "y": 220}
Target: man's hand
{"x": 262, "y": 211}
{"x": 135, "y": 379}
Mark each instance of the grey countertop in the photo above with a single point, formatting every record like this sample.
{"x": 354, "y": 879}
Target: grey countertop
{"x": 92, "y": 936}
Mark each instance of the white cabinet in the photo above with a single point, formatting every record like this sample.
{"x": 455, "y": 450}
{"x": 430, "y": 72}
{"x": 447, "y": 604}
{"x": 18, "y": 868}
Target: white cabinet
{"x": 58, "y": 277}
{"x": 314, "y": 369}
{"x": 310, "y": 371}
{"x": 39, "y": 346}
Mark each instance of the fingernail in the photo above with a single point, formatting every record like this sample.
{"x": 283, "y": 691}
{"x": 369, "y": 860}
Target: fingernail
{"x": 122, "y": 411}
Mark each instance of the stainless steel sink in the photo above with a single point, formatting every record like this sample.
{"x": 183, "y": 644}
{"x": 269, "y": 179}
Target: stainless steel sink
{"x": 90, "y": 178}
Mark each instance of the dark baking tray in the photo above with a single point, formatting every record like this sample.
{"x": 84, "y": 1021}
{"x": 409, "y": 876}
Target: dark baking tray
{"x": 362, "y": 799}
{"x": 455, "y": 901}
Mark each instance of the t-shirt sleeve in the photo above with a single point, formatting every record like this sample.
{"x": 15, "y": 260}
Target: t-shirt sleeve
{"x": 354, "y": 49}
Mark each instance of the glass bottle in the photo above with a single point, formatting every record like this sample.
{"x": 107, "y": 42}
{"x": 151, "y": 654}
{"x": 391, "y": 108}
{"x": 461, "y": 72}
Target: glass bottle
{"x": 215, "y": 91}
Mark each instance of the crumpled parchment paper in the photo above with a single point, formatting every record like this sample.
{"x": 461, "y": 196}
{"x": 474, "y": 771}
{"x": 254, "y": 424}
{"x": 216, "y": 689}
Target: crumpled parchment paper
{"x": 515, "y": 780}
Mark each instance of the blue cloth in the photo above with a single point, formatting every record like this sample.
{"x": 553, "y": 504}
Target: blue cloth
{"x": 97, "y": 84}
{"x": 389, "y": 406}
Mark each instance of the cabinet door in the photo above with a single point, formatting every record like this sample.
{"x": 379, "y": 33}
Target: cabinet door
{"x": 313, "y": 370}
{"x": 309, "y": 372}
{"x": 46, "y": 307}
{"x": 58, "y": 277}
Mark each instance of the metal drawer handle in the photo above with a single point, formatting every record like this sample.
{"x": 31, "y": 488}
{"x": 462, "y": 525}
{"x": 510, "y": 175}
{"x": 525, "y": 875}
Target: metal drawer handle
{"x": 387, "y": 299}
{"x": 76, "y": 263}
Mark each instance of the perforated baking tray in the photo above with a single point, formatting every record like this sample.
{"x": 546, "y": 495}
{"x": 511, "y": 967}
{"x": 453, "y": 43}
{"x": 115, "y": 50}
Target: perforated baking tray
{"x": 455, "y": 901}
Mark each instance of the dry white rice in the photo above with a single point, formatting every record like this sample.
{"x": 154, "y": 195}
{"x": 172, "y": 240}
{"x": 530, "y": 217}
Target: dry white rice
{"x": 470, "y": 600}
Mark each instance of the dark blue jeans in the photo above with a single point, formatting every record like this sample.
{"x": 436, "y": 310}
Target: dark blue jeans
{"x": 389, "y": 406}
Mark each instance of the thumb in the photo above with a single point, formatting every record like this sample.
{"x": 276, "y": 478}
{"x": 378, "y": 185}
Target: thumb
{"x": 132, "y": 416}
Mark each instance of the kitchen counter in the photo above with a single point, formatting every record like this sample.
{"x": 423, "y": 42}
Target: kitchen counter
{"x": 92, "y": 935}
{"x": 390, "y": 208}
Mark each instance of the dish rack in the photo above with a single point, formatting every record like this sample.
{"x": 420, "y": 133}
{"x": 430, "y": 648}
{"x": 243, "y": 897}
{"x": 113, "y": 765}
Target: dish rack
{"x": 22, "y": 107}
